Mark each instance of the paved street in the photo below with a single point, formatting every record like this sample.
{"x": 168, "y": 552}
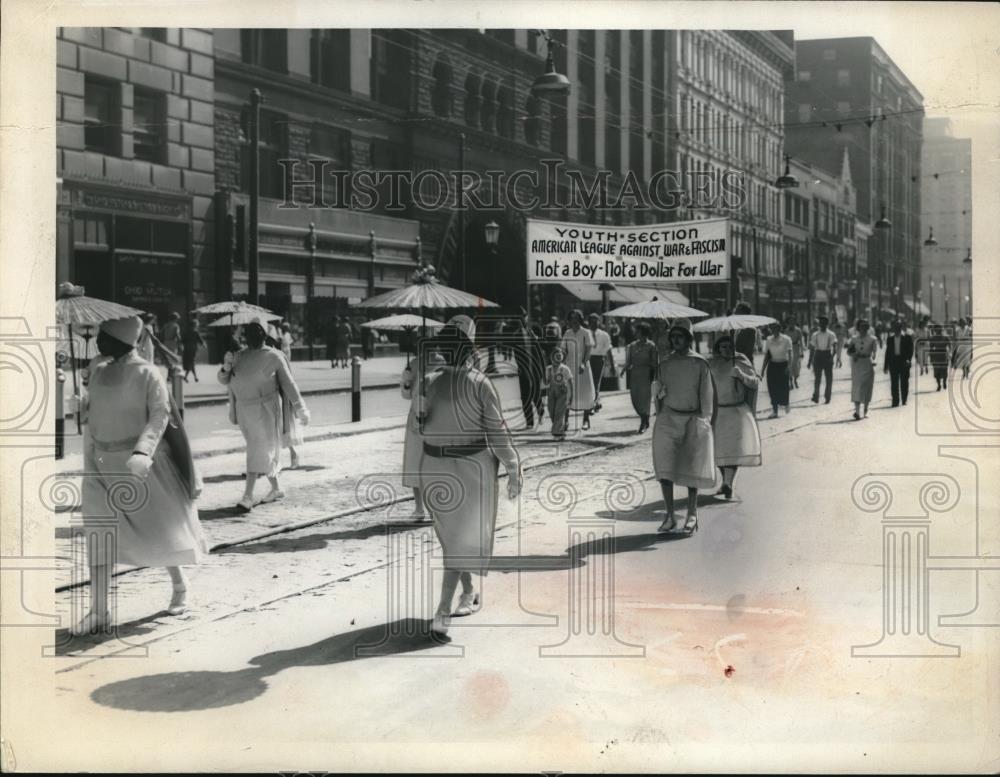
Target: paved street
{"x": 314, "y": 640}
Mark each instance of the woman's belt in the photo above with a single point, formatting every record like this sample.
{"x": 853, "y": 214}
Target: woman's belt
{"x": 455, "y": 451}
{"x": 115, "y": 445}
{"x": 683, "y": 412}
{"x": 259, "y": 399}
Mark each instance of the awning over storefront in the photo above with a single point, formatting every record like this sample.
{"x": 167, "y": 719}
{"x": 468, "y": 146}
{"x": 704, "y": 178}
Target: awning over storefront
{"x": 916, "y": 306}
{"x": 622, "y": 294}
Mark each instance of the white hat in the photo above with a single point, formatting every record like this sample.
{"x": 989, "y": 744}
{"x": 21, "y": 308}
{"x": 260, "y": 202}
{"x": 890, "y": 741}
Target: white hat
{"x": 125, "y": 330}
{"x": 465, "y": 324}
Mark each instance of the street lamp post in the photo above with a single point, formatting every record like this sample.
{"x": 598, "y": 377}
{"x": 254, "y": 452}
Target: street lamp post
{"x": 882, "y": 225}
{"x": 792, "y": 277}
{"x": 492, "y": 234}
{"x": 256, "y": 98}
{"x": 895, "y": 299}
{"x": 311, "y": 244}
{"x": 967, "y": 262}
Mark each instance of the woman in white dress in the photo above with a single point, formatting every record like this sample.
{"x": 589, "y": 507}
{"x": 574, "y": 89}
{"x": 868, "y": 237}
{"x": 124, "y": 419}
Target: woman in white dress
{"x": 577, "y": 343}
{"x": 737, "y": 438}
{"x": 254, "y": 376}
{"x": 861, "y": 351}
{"x": 464, "y": 438}
{"x": 133, "y": 433}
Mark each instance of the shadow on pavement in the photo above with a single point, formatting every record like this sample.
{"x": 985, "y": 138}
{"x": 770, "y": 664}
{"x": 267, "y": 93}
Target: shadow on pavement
{"x": 203, "y": 690}
{"x": 66, "y": 643}
{"x": 224, "y": 478}
{"x": 319, "y": 541}
{"x": 219, "y": 513}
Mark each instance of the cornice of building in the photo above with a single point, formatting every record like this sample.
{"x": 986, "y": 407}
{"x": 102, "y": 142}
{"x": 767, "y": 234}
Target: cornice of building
{"x": 769, "y": 46}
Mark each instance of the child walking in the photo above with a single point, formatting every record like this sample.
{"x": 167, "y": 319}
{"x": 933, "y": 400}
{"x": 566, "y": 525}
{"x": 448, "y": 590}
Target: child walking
{"x": 559, "y": 380}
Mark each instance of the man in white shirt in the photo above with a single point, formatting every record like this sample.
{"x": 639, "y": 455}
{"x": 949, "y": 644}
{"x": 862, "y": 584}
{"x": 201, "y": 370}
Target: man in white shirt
{"x": 600, "y": 353}
{"x": 822, "y": 350}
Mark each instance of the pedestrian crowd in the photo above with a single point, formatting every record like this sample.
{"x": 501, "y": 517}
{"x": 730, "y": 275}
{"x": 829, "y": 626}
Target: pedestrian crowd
{"x": 456, "y": 436}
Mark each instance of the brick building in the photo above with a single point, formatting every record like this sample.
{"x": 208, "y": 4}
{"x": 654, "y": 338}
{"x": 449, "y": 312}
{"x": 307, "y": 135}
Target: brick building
{"x": 848, "y": 94}
{"x": 946, "y": 185}
{"x": 824, "y": 273}
{"x": 136, "y": 166}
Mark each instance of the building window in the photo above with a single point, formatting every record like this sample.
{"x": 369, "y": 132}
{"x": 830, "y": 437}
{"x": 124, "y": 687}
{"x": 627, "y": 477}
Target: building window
{"x": 265, "y": 48}
{"x": 533, "y": 122}
{"x": 273, "y": 146}
{"x": 472, "y": 85}
{"x": 334, "y": 144}
{"x": 843, "y": 78}
{"x": 330, "y": 59}
{"x": 488, "y": 110}
{"x": 843, "y": 108}
{"x": 805, "y": 113}
{"x": 441, "y": 91}
{"x": 100, "y": 109}
{"x": 505, "y": 112}
{"x": 805, "y": 75}
{"x": 149, "y": 126}
{"x": 829, "y": 55}
{"x": 390, "y": 67}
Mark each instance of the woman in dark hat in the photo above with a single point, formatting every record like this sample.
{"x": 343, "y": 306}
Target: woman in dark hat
{"x": 134, "y": 432}
{"x": 464, "y": 436}
{"x": 737, "y": 438}
{"x": 683, "y": 449}
{"x": 260, "y": 381}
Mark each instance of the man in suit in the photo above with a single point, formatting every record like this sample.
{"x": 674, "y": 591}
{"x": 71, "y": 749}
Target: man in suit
{"x": 898, "y": 356}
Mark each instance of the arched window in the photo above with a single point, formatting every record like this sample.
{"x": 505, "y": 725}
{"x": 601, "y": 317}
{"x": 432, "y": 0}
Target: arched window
{"x": 533, "y": 122}
{"x": 441, "y": 92}
{"x": 505, "y": 111}
{"x": 488, "y": 110}
{"x": 472, "y": 85}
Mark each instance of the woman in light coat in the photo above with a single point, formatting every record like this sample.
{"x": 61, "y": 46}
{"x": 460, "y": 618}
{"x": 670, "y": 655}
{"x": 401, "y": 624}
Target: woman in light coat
{"x": 464, "y": 438}
{"x": 260, "y": 380}
{"x": 737, "y": 438}
{"x": 138, "y": 474}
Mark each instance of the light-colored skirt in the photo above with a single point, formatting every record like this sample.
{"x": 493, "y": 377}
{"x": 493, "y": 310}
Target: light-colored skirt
{"x": 413, "y": 449}
{"x": 737, "y": 438}
{"x": 583, "y": 390}
{"x": 260, "y": 422}
{"x": 462, "y": 495}
{"x": 155, "y": 522}
{"x": 862, "y": 380}
{"x": 683, "y": 449}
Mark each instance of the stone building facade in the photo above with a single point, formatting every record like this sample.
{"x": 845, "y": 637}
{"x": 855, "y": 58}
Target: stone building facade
{"x": 136, "y": 165}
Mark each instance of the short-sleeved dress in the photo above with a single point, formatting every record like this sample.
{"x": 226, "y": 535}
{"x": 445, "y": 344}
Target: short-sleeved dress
{"x": 862, "y": 349}
{"x": 737, "y": 438}
{"x": 683, "y": 443}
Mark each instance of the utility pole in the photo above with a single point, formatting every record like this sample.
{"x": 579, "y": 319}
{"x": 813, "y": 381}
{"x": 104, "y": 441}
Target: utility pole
{"x": 461, "y": 211}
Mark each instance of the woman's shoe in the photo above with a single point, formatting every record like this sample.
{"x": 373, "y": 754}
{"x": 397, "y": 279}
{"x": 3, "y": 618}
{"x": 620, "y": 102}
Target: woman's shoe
{"x": 295, "y": 461}
{"x": 467, "y": 604}
{"x": 586, "y": 425}
{"x": 726, "y": 491}
{"x": 669, "y": 525}
{"x": 245, "y": 505}
{"x": 273, "y": 496}
{"x": 91, "y": 623}
{"x": 440, "y": 624}
{"x": 690, "y": 524}
{"x": 857, "y": 416}
{"x": 178, "y": 602}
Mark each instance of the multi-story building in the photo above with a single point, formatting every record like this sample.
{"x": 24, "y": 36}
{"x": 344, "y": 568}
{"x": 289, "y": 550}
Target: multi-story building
{"x": 155, "y": 163}
{"x": 823, "y": 273}
{"x": 136, "y": 166}
{"x": 946, "y": 184}
{"x": 725, "y": 112}
{"x": 848, "y": 94}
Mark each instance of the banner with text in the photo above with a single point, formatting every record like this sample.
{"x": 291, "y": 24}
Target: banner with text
{"x": 680, "y": 252}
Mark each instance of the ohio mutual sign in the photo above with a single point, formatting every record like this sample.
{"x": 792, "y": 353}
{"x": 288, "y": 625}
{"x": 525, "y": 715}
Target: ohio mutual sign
{"x": 680, "y": 252}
